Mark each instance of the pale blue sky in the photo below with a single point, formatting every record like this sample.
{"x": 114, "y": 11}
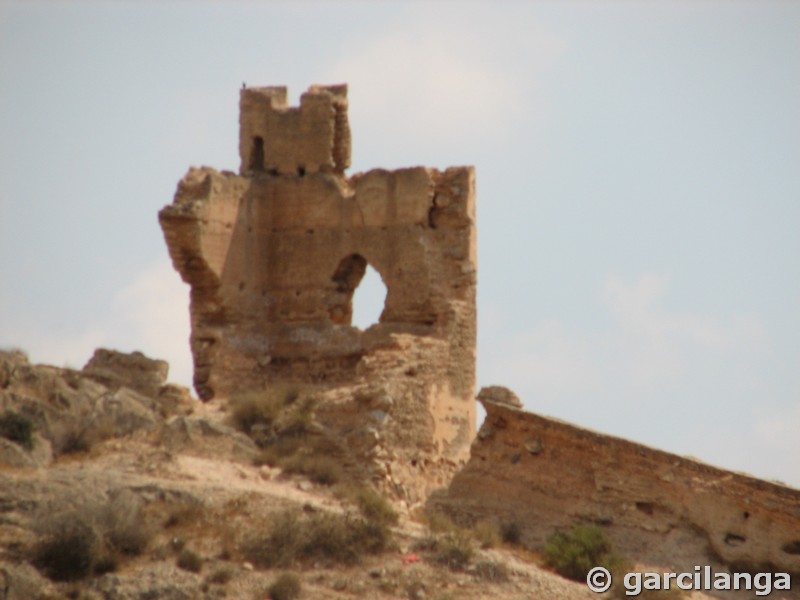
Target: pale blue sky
{"x": 638, "y": 186}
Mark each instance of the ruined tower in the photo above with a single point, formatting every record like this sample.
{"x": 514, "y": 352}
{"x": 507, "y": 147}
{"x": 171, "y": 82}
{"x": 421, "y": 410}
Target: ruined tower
{"x": 274, "y": 254}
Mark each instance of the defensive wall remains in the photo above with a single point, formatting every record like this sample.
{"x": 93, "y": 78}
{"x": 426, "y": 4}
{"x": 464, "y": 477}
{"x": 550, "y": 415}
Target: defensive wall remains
{"x": 273, "y": 256}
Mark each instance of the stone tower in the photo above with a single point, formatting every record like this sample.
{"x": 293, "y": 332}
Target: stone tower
{"x": 274, "y": 254}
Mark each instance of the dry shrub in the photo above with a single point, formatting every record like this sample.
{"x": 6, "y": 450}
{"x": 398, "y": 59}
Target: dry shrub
{"x": 188, "y": 560}
{"x": 491, "y": 571}
{"x": 313, "y": 456}
{"x": 18, "y": 428}
{"x": 70, "y": 551}
{"x": 182, "y": 513}
{"x": 74, "y": 436}
{"x": 255, "y": 408}
{"x": 439, "y": 522}
{"x": 371, "y": 504}
{"x": 278, "y": 451}
{"x": 220, "y": 576}
{"x": 453, "y": 550}
{"x": 286, "y": 587}
{"x": 323, "y": 470}
{"x": 486, "y": 534}
{"x": 91, "y": 539}
{"x": 280, "y": 422}
{"x": 511, "y": 533}
{"x": 325, "y": 538}
{"x": 263, "y": 408}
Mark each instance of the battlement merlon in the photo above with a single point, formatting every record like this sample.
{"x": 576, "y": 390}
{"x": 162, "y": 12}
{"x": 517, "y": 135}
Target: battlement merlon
{"x": 277, "y": 139}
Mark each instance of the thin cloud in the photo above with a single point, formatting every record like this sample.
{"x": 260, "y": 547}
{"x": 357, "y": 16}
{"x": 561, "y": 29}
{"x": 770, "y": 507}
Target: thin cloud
{"x": 637, "y": 307}
{"x": 150, "y": 315}
{"x": 647, "y": 345}
{"x": 443, "y": 83}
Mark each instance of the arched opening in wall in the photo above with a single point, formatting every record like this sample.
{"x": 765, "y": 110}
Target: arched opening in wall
{"x": 354, "y": 272}
{"x": 369, "y": 300}
{"x": 257, "y": 154}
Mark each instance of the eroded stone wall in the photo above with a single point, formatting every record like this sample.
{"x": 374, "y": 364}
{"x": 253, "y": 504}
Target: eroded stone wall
{"x": 659, "y": 508}
{"x": 273, "y": 256}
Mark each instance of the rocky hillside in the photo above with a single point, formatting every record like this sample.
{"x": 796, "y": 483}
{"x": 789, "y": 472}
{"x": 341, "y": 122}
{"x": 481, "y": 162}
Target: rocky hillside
{"x": 116, "y": 485}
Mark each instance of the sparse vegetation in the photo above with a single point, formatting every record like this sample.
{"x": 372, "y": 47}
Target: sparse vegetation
{"x": 372, "y": 506}
{"x": 90, "y": 540}
{"x": 325, "y": 538}
{"x": 511, "y": 533}
{"x": 75, "y": 437}
{"x": 70, "y": 551}
{"x": 188, "y": 560}
{"x": 220, "y": 576}
{"x": 486, "y": 534}
{"x": 18, "y": 428}
{"x": 573, "y": 554}
{"x": 439, "y": 522}
{"x": 454, "y": 547}
{"x": 286, "y": 587}
{"x": 264, "y": 409}
{"x": 453, "y": 550}
{"x": 182, "y": 513}
{"x": 494, "y": 572}
{"x": 314, "y": 456}
{"x": 280, "y": 421}
{"x": 320, "y": 469}
{"x": 129, "y": 537}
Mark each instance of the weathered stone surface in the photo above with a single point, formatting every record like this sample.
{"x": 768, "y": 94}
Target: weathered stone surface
{"x": 279, "y": 139}
{"x": 21, "y": 581}
{"x": 201, "y": 437}
{"x": 547, "y": 476}
{"x": 127, "y": 411}
{"x": 499, "y": 395}
{"x": 116, "y": 369}
{"x": 273, "y": 256}
{"x": 14, "y": 455}
{"x": 72, "y": 409}
{"x": 175, "y": 400}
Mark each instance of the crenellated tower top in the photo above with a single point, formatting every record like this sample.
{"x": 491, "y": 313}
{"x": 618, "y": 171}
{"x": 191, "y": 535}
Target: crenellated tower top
{"x": 277, "y": 139}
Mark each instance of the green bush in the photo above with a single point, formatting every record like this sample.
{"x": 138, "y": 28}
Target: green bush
{"x": 18, "y": 428}
{"x": 286, "y": 587}
{"x": 574, "y": 554}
